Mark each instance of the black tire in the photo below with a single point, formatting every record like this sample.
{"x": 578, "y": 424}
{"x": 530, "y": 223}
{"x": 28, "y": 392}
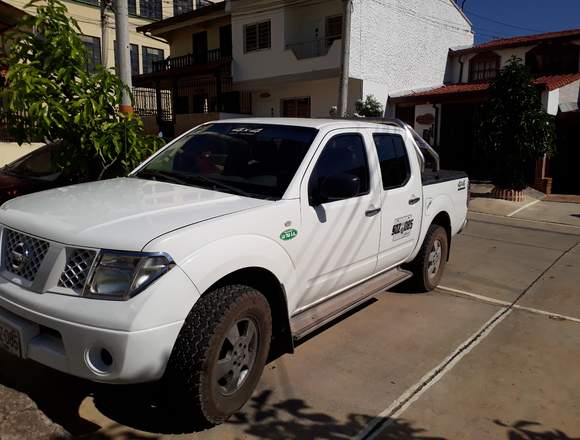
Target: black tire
{"x": 423, "y": 279}
{"x": 194, "y": 393}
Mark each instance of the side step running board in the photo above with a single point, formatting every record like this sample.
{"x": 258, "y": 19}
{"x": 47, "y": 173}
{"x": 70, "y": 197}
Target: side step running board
{"x": 311, "y": 319}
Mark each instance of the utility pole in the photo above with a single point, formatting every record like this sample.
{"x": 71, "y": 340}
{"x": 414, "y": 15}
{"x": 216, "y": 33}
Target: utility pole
{"x": 104, "y": 32}
{"x": 123, "y": 51}
{"x": 344, "y": 71}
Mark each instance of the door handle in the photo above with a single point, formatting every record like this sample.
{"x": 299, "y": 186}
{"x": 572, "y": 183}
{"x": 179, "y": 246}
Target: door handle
{"x": 372, "y": 212}
{"x": 414, "y": 200}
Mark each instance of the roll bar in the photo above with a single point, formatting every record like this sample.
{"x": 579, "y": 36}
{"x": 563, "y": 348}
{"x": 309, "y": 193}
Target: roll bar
{"x": 422, "y": 147}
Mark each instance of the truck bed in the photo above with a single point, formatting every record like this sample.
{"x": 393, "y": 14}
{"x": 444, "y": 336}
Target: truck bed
{"x": 430, "y": 177}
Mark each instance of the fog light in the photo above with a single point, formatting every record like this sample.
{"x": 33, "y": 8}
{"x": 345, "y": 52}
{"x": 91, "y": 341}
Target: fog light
{"x": 99, "y": 360}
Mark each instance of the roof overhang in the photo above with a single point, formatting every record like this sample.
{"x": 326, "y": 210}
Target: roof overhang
{"x": 476, "y": 91}
{"x": 206, "y": 13}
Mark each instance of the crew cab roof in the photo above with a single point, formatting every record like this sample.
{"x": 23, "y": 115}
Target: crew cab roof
{"x": 304, "y": 122}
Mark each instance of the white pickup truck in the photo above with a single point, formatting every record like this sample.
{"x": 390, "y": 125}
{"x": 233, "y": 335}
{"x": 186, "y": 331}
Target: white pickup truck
{"x": 237, "y": 235}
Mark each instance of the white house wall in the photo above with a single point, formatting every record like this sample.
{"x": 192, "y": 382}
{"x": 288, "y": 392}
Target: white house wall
{"x": 398, "y": 46}
{"x": 323, "y": 94}
{"x": 277, "y": 61}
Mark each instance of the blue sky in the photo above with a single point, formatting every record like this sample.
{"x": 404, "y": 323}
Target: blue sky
{"x": 524, "y": 16}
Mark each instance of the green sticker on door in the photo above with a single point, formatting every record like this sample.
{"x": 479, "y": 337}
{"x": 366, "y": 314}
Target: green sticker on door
{"x": 288, "y": 234}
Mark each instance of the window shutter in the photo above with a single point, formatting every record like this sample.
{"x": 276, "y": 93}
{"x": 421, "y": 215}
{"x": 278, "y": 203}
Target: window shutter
{"x": 251, "y": 37}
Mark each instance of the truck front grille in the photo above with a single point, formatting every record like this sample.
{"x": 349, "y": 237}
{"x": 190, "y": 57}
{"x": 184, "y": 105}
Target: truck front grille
{"x": 22, "y": 254}
{"x": 77, "y": 269}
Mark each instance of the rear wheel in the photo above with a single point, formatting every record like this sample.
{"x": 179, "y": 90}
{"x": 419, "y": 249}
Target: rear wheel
{"x": 429, "y": 265}
{"x": 220, "y": 354}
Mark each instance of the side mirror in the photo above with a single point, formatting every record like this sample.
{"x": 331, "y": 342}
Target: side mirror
{"x": 334, "y": 188}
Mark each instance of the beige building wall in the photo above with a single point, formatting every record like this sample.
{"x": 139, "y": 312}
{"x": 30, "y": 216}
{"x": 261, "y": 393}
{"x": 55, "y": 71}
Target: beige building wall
{"x": 181, "y": 39}
{"x": 88, "y": 17}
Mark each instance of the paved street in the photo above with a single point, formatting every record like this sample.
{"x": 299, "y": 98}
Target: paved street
{"x": 492, "y": 354}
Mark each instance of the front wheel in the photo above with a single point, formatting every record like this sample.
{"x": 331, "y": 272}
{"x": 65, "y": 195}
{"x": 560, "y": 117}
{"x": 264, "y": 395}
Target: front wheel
{"x": 219, "y": 355}
{"x": 429, "y": 265}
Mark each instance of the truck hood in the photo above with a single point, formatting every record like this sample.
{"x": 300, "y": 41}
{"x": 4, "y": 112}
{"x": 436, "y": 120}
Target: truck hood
{"x": 119, "y": 214}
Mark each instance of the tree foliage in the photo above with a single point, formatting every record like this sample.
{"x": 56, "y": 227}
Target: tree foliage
{"x": 51, "y": 96}
{"x": 515, "y": 129}
{"x": 369, "y": 107}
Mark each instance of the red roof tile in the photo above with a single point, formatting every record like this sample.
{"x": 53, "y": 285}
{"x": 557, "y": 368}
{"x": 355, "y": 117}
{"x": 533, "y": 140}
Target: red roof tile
{"x": 553, "y": 82}
{"x": 524, "y": 40}
{"x": 549, "y": 82}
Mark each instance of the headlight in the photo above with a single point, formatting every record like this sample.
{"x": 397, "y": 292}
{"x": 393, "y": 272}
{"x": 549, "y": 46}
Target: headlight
{"x": 122, "y": 275}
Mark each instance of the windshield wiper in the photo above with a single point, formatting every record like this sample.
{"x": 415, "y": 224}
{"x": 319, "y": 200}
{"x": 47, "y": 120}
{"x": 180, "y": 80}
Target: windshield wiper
{"x": 221, "y": 185}
{"x": 188, "y": 180}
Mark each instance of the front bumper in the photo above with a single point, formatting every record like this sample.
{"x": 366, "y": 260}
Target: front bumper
{"x": 131, "y": 343}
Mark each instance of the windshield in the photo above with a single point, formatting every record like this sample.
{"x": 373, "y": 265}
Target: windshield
{"x": 254, "y": 160}
{"x": 39, "y": 164}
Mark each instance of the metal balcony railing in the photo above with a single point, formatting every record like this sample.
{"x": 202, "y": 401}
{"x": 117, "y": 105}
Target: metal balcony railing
{"x": 192, "y": 59}
{"x": 310, "y": 49}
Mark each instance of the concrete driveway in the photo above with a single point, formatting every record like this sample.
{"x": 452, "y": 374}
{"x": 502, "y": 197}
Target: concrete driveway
{"x": 492, "y": 354}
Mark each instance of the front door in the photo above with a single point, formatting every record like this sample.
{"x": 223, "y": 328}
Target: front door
{"x": 226, "y": 40}
{"x": 342, "y": 235}
{"x": 199, "y": 43}
{"x": 402, "y": 204}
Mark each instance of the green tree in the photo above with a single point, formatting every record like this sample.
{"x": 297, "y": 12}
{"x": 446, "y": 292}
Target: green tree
{"x": 51, "y": 97}
{"x": 369, "y": 107}
{"x": 515, "y": 129}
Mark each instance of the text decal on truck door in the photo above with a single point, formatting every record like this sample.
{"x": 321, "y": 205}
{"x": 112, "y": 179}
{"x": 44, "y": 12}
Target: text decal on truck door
{"x": 402, "y": 227}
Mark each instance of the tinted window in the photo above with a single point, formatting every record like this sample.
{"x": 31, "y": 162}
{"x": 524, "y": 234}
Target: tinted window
{"x": 255, "y": 160}
{"x": 343, "y": 154}
{"x": 40, "y": 164}
{"x": 394, "y": 161}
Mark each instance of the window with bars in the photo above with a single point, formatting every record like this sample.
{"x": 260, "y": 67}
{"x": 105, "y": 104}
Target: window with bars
{"x": 484, "y": 67}
{"x": 333, "y": 29}
{"x": 93, "y": 52}
{"x": 257, "y": 36}
{"x": 151, "y": 9}
{"x": 150, "y": 55}
{"x": 296, "y": 107}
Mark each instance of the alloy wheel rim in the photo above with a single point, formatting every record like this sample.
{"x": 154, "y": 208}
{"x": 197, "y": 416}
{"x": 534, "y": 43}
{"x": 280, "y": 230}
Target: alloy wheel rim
{"x": 237, "y": 356}
{"x": 434, "y": 259}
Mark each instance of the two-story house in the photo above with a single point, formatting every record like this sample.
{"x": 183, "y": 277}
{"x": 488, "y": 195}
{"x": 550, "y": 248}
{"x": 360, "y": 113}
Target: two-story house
{"x": 144, "y": 50}
{"x": 284, "y": 57}
{"x": 449, "y": 114}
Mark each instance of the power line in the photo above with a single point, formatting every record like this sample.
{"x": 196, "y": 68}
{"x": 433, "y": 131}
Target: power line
{"x": 503, "y": 23}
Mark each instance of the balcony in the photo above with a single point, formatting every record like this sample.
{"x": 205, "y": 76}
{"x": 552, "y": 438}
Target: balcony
{"x": 213, "y": 56}
{"x": 311, "y": 49}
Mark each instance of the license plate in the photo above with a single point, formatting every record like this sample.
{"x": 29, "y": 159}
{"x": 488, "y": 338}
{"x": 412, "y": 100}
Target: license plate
{"x": 9, "y": 339}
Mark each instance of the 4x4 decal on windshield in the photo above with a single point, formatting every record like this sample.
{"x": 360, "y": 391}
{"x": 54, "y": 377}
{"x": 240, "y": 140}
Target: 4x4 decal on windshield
{"x": 402, "y": 227}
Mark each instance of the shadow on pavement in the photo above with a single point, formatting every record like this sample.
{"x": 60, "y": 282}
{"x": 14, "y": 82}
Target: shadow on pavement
{"x": 526, "y": 430}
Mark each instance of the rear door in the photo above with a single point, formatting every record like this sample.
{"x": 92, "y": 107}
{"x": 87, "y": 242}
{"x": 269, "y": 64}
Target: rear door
{"x": 401, "y": 196}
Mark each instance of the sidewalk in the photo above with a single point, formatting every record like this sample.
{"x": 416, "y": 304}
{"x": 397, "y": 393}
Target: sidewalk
{"x": 536, "y": 206}
{"x": 20, "y": 419}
